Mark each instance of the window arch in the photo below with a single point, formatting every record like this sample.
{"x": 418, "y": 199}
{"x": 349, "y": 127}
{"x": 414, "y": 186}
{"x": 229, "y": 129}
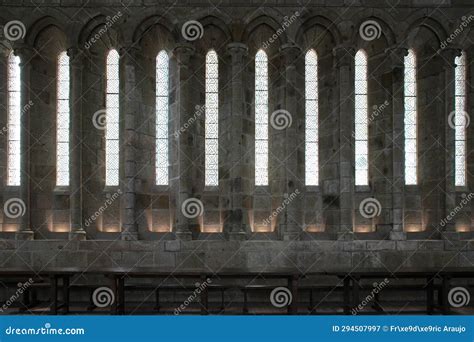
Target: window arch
{"x": 361, "y": 133}
{"x": 162, "y": 114}
{"x": 460, "y": 120}
{"x": 212, "y": 119}
{"x": 410, "y": 119}
{"x": 112, "y": 120}
{"x": 62, "y": 121}
{"x": 14, "y": 120}
{"x": 311, "y": 119}
{"x": 261, "y": 118}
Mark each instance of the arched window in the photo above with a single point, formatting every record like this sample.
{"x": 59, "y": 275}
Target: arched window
{"x": 112, "y": 120}
{"x": 460, "y": 120}
{"x": 162, "y": 113}
{"x": 410, "y": 119}
{"x": 311, "y": 119}
{"x": 14, "y": 119}
{"x": 212, "y": 119}
{"x": 361, "y": 120}
{"x": 62, "y": 121}
{"x": 261, "y": 118}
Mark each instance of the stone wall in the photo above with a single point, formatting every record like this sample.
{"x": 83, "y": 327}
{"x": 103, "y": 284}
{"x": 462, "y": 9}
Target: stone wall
{"x": 323, "y": 226}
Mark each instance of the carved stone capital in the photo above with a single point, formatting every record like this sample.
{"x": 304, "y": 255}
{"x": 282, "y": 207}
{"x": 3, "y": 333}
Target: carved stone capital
{"x": 397, "y": 56}
{"x": 344, "y": 55}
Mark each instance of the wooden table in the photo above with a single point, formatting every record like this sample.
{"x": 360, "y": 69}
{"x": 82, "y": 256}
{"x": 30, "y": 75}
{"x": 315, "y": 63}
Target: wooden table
{"x": 118, "y": 275}
{"x": 51, "y": 274}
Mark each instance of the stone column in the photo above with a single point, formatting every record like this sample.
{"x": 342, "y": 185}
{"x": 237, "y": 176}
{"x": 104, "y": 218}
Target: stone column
{"x": 237, "y": 224}
{"x": 129, "y": 108}
{"x": 448, "y": 57}
{"x": 397, "y": 55}
{"x": 291, "y": 223}
{"x": 26, "y": 55}
{"x": 75, "y": 144}
{"x": 184, "y": 109}
{"x": 344, "y": 59}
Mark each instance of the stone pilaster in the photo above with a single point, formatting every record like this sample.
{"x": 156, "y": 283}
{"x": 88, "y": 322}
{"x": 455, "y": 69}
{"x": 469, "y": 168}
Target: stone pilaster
{"x": 237, "y": 225}
{"x": 26, "y": 55}
{"x": 344, "y": 59}
{"x": 75, "y": 144}
{"x": 448, "y": 57}
{"x": 183, "y": 110}
{"x": 129, "y": 109}
{"x": 291, "y": 222}
{"x": 397, "y": 55}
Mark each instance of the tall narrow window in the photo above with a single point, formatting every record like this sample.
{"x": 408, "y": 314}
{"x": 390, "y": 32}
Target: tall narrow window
{"x": 14, "y": 119}
{"x": 261, "y": 118}
{"x": 311, "y": 119}
{"x": 361, "y": 120}
{"x": 62, "y": 121}
{"x": 212, "y": 119}
{"x": 410, "y": 120}
{"x": 112, "y": 120}
{"x": 460, "y": 120}
{"x": 162, "y": 112}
